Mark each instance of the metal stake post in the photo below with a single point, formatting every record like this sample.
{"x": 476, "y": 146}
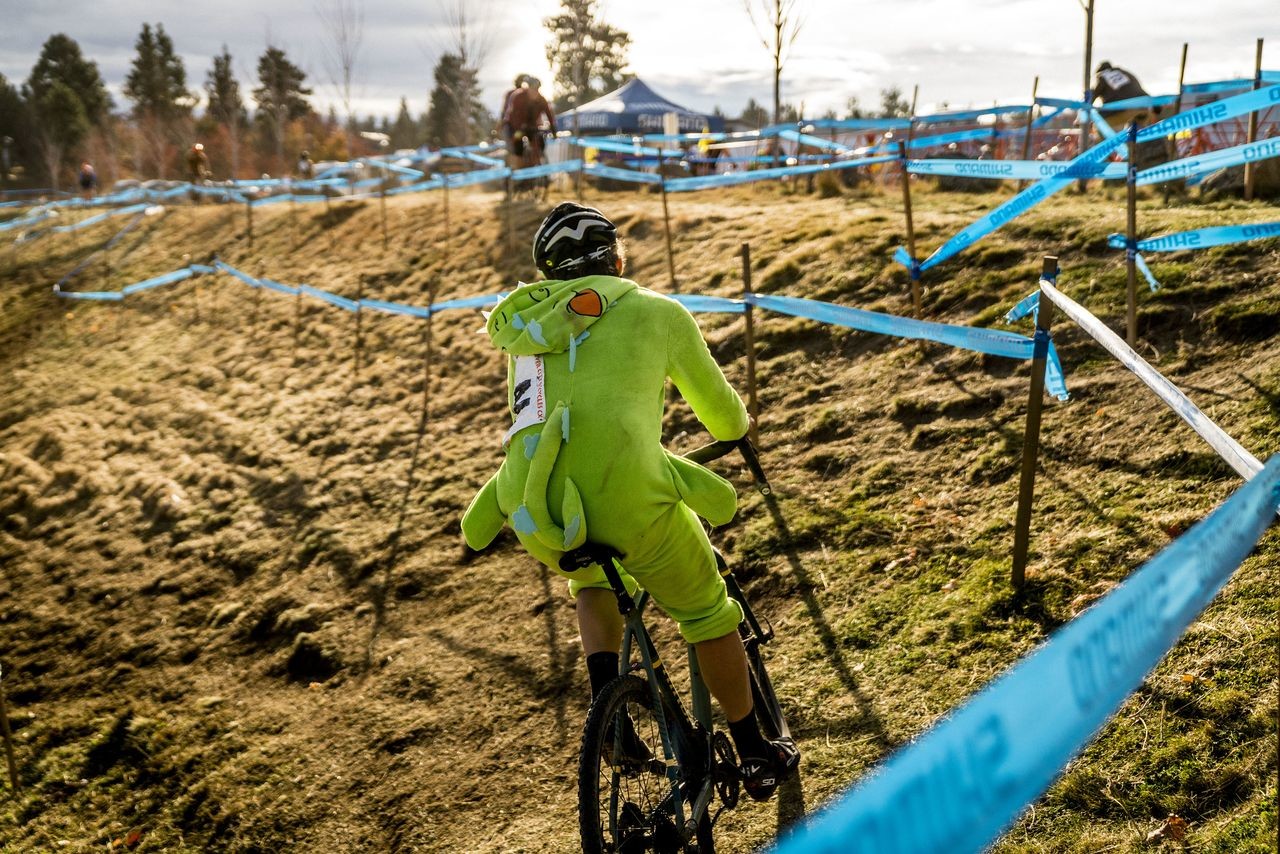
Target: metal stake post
{"x": 666, "y": 218}
{"x": 1086, "y": 126}
{"x": 1171, "y": 147}
{"x": 8, "y": 738}
{"x": 911, "y": 231}
{"x": 382, "y": 203}
{"x": 1249, "y": 170}
{"x": 1031, "y": 439}
{"x": 1131, "y": 250}
{"x": 753, "y": 404}
{"x": 1026, "y": 136}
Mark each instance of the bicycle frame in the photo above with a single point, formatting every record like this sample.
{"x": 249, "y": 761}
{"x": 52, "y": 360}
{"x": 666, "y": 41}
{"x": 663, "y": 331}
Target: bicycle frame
{"x": 688, "y": 747}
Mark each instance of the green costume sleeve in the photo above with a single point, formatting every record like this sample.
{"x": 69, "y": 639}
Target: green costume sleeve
{"x": 695, "y": 372}
{"x": 483, "y": 519}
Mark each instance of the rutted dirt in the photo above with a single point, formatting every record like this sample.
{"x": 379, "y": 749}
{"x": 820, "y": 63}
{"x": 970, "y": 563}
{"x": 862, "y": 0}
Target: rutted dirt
{"x": 238, "y": 616}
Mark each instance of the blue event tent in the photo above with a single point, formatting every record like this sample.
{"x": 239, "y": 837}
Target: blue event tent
{"x": 634, "y": 108}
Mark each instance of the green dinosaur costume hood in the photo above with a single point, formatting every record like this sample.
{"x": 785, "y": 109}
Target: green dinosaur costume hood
{"x": 550, "y": 317}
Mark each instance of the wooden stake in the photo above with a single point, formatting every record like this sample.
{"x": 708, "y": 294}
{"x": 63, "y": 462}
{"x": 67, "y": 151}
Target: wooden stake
{"x": 911, "y": 232}
{"x": 1026, "y": 136}
{"x": 8, "y": 739}
{"x": 1131, "y": 252}
{"x": 355, "y": 368}
{"x": 1086, "y": 127}
{"x": 1171, "y": 149}
{"x": 749, "y": 335}
{"x": 666, "y": 218}
{"x": 248, "y": 211}
{"x": 382, "y": 203}
{"x": 1031, "y": 437}
{"x": 1249, "y": 170}
{"x": 444, "y": 177}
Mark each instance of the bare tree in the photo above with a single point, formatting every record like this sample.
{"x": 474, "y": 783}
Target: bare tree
{"x": 343, "y": 22}
{"x": 468, "y": 38}
{"x": 777, "y": 23}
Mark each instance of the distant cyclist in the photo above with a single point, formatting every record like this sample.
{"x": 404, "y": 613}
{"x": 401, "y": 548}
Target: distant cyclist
{"x": 524, "y": 114}
{"x": 589, "y": 354}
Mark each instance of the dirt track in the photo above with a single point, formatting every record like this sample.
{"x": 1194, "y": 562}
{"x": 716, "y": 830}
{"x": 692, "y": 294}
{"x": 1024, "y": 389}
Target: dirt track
{"x": 225, "y": 627}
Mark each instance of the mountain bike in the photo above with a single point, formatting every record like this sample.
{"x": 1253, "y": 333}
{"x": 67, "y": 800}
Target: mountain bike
{"x": 648, "y": 773}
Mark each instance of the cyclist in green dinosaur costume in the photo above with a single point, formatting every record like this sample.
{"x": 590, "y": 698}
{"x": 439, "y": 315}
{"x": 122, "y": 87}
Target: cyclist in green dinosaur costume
{"x": 589, "y": 355}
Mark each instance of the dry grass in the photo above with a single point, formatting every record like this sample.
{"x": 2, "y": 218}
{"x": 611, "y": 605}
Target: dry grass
{"x": 224, "y": 626}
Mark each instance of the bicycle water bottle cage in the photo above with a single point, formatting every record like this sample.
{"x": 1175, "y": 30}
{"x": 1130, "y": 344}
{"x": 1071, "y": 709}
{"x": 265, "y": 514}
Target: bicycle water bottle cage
{"x": 587, "y": 555}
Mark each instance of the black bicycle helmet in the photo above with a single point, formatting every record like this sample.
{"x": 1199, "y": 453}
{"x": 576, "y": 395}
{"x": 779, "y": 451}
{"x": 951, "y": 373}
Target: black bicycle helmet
{"x": 572, "y": 235}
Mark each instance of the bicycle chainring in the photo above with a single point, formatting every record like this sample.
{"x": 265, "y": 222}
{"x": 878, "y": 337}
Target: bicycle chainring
{"x": 727, "y": 778}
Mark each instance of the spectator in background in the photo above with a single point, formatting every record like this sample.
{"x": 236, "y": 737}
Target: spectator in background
{"x": 197, "y": 164}
{"x": 306, "y": 169}
{"x": 88, "y": 180}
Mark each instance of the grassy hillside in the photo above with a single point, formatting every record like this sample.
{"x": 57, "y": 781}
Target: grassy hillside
{"x": 237, "y": 614}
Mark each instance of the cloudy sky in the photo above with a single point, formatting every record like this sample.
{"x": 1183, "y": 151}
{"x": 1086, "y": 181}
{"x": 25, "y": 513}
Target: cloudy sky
{"x": 703, "y": 53}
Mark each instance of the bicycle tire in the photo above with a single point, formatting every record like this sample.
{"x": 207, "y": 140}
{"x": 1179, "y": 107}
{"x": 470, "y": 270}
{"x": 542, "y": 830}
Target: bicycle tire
{"x": 616, "y": 810}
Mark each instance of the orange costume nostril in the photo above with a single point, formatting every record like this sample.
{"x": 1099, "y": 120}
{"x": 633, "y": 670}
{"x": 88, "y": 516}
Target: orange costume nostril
{"x": 586, "y": 303}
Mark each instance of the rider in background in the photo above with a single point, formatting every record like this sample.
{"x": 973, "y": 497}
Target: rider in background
{"x": 524, "y": 112}
{"x": 88, "y": 180}
{"x": 589, "y": 354}
{"x": 508, "y": 135}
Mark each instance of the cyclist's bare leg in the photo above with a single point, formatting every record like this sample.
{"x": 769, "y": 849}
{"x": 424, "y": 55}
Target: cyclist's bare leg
{"x": 599, "y": 622}
{"x": 723, "y": 663}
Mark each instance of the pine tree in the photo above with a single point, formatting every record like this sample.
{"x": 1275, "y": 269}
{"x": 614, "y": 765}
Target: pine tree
{"x": 60, "y": 61}
{"x": 157, "y": 80}
{"x": 61, "y": 123}
{"x": 281, "y": 97}
{"x": 587, "y": 55}
{"x": 893, "y": 105}
{"x": 404, "y": 133}
{"x": 456, "y": 115}
{"x": 15, "y": 126}
{"x": 157, "y": 85}
{"x": 755, "y": 114}
{"x": 225, "y": 104}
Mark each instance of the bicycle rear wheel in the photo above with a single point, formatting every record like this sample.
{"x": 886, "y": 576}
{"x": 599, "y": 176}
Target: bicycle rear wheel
{"x": 624, "y": 796}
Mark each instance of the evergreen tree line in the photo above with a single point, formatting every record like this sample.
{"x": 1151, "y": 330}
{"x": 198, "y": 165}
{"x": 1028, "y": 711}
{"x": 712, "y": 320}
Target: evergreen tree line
{"x": 63, "y": 113}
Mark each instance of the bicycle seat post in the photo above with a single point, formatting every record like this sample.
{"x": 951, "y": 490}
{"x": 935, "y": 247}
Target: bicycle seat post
{"x": 589, "y": 554}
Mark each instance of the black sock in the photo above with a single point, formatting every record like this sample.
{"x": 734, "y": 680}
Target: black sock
{"x": 747, "y": 738}
{"x": 602, "y": 668}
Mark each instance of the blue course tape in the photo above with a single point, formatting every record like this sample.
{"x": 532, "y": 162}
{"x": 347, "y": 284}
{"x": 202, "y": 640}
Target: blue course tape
{"x": 1091, "y": 160}
{"x": 731, "y": 179}
{"x": 1139, "y": 103}
{"x": 244, "y": 277}
{"x": 961, "y": 784}
{"x": 992, "y": 341}
{"x": 967, "y": 115}
{"x": 333, "y": 299}
{"x": 273, "y": 285}
{"x": 1217, "y": 111}
{"x": 623, "y": 146}
{"x": 1202, "y": 238}
{"x": 468, "y": 302}
{"x": 545, "y": 169}
{"x": 103, "y": 296}
{"x": 811, "y": 141}
{"x": 166, "y": 279}
{"x": 397, "y": 308}
{"x": 1141, "y": 264}
{"x": 479, "y": 176}
{"x": 1211, "y": 161}
{"x": 1010, "y": 170}
{"x": 612, "y": 172}
{"x": 431, "y": 184}
{"x": 705, "y": 304}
